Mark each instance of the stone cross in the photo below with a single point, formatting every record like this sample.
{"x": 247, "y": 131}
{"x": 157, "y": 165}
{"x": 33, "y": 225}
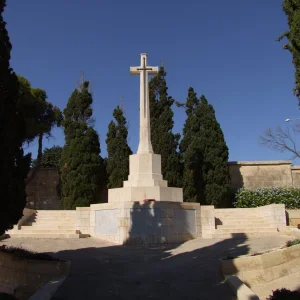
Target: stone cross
{"x": 143, "y": 70}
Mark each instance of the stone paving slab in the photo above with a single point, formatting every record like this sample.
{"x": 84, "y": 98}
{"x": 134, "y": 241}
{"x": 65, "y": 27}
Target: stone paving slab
{"x": 190, "y": 270}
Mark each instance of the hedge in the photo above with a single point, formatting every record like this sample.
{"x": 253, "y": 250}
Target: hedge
{"x": 288, "y": 196}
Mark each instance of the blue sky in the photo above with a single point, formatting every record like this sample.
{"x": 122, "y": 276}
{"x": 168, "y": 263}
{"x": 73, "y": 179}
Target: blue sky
{"x": 226, "y": 50}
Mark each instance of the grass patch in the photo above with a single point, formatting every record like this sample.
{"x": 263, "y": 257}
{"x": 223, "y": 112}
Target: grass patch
{"x": 293, "y": 243}
{"x": 22, "y": 253}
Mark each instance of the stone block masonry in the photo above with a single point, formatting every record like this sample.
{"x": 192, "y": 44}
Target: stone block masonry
{"x": 259, "y": 174}
{"x": 143, "y": 223}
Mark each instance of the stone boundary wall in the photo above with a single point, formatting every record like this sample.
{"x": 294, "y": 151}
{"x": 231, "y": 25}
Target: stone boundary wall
{"x": 43, "y": 190}
{"x": 23, "y": 277}
{"x": 257, "y": 174}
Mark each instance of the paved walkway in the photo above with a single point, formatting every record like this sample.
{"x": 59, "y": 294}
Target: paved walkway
{"x": 104, "y": 271}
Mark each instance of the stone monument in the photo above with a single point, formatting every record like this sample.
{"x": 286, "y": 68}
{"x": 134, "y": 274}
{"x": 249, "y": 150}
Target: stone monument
{"x": 145, "y": 180}
{"x": 129, "y": 216}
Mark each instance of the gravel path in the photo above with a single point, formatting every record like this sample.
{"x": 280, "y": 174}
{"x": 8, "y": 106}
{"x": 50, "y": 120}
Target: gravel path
{"x": 101, "y": 270}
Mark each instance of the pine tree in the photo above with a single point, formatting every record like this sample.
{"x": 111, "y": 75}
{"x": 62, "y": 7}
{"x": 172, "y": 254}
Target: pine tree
{"x": 118, "y": 150}
{"x": 205, "y": 154}
{"x": 81, "y": 166}
{"x": 14, "y": 166}
{"x": 164, "y": 141}
{"x": 292, "y": 11}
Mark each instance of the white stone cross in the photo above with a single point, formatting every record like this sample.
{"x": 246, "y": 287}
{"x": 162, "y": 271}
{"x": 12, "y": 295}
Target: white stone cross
{"x": 143, "y": 70}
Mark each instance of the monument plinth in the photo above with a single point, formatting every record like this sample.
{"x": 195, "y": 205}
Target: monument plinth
{"x": 145, "y": 180}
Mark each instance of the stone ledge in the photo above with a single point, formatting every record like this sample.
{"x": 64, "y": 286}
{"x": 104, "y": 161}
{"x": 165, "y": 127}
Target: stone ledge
{"x": 263, "y": 162}
{"x": 240, "y": 289}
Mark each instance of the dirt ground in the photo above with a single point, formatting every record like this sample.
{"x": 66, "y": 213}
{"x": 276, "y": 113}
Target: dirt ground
{"x": 101, "y": 270}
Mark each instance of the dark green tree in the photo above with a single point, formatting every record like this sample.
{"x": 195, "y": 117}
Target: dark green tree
{"x": 118, "y": 150}
{"x": 81, "y": 166}
{"x": 292, "y": 11}
{"x": 50, "y": 158}
{"x": 14, "y": 166}
{"x": 164, "y": 141}
{"x": 205, "y": 153}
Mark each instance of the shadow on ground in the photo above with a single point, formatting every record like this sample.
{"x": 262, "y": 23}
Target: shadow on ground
{"x": 157, "y": 272}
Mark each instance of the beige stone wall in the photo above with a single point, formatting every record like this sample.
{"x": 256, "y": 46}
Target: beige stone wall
{"x": 256, "y": 174}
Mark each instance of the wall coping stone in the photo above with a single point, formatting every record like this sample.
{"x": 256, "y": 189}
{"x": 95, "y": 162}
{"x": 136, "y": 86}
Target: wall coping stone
{"x": 262, "y": 162}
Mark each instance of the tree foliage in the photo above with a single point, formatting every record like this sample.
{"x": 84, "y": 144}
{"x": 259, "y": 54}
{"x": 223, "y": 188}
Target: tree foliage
{"x": 81, "y": 166}
{"x": 118, "y": 150}
{"x": 292, "y": 11}
{"x": 205, "y": 155}
{"x": 164, "y": 141}
{"x": 50, "y": 158}
{"x": 14, "y": 166}
{"x": 40, "y": 117}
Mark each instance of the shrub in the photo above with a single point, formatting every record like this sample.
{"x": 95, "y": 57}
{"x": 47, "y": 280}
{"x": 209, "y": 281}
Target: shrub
{"x": 5, "y": 296}
{"x": 288, "y": 196}
{"x": 292, "y": 243}
{"x": 284, "y": 294}
{"x": 19, "y": 252}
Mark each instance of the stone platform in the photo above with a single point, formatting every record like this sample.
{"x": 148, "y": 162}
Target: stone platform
{"x": 142, "y": 223}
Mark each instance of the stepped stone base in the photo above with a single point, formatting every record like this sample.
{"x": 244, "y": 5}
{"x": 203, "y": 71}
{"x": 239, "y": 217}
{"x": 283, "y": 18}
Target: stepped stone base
{"x": 136, "y": 194}
{"x": 145, "y": 181}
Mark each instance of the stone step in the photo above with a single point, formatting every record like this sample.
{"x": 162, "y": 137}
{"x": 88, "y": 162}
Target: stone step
{"x": 248, "y": 230}
{"x": 246, "y": 222}
{"x": 51, "y": 226}
{"x": 46, "y": 219}
{"x": 47, "y": 235}
{"x": 218, "y": 235}
{"x": 30, "y": 229}
{"x": 56, "y": 211}
{"x": 244, "y": 227}
{"x": 235, "y": 210}
{"x": 240, "y": 217}
{"x": 56, "y": 214}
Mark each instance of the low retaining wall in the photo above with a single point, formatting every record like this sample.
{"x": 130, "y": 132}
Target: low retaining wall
{"x": 267, "y": 267}
{"x": 23, "y": 277}
{"x": 293, "y": 217}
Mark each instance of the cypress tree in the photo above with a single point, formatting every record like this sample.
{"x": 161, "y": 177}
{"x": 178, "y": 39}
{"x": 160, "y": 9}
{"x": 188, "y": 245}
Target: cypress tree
{"x": 14, "y": 166}
{"x": 292, "y": 11}
{"x": 164, "y": 141}
{"x": 118, "y": 150}
{"x": 81, "y": 166}
{"x": 205, "y": 154}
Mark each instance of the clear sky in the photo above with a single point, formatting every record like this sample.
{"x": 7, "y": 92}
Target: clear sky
{"x": 226, "y": 50}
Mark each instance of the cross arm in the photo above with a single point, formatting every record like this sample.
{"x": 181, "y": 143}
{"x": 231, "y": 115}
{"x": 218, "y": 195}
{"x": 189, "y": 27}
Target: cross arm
{"x": 134, "y": 70}
{"x": 153, "y": 71}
